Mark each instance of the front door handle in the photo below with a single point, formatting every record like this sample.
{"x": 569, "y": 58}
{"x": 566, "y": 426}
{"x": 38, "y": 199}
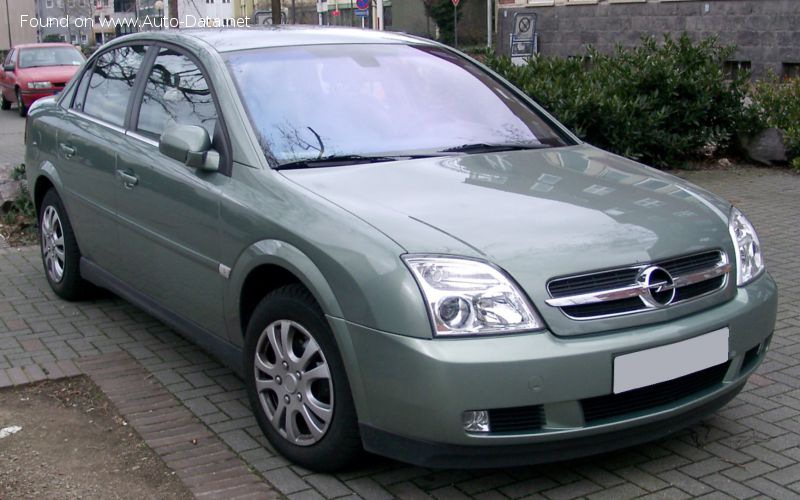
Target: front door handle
{"x": 67, "y": 150}
{"x": 128, "y": 179}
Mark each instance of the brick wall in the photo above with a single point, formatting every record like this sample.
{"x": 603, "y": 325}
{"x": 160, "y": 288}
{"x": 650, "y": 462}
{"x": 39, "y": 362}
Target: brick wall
{"x": 766, "y": 32}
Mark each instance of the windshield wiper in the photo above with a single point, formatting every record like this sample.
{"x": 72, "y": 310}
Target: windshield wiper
{"x": 340, "y": 160}
{"x": 480, "y": 147}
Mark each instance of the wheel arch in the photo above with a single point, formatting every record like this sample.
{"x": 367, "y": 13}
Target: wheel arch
{"x": 46, "y": 178}
{"x": 266, "y": 266}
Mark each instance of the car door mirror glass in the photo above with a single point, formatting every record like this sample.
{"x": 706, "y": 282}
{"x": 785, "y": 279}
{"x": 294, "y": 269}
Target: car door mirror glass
{"x": 189, "y": 144}
{"x": 8, "y": 67}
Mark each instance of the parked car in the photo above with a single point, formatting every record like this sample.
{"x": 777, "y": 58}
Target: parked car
{"x": 395, "y": 248}
{"x": 36, "y": 70}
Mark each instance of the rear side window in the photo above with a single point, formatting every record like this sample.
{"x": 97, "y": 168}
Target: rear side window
{"x": 111, "y": 84}
{"x": 176, "y": 90}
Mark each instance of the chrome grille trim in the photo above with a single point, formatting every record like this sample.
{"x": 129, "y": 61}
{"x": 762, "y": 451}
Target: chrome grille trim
{"x": 638, "y": 289}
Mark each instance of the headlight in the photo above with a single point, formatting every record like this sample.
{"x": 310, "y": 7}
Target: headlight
{"x": 39, "y": 85}
{"x": 470, "y": 297}
{"x": 749, "y": 260}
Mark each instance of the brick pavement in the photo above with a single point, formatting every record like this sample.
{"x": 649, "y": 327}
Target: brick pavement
{"x": 751, "y": 448}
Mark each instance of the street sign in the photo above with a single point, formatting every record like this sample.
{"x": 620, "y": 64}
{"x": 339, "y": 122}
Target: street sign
{"x": 322, "y": 6}
{"x": 362, "y": 4}
{"x": 336, "y": 13}
{"x": 362, "y": 13}
{"x": 455, "y": 2}
{"x": 524, "y": 39}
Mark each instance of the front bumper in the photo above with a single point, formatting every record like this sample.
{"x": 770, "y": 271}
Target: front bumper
{"x": 411, "y": 393}
{"x": 31, "y": 96}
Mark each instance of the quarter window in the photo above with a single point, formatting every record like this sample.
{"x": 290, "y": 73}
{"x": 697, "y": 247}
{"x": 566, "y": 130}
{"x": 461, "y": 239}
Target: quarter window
{"x": 9, "y": 58}
{"x": 111, "y": 83}
{"x": 176, "y": 90}
{"x": 80, "y": 93}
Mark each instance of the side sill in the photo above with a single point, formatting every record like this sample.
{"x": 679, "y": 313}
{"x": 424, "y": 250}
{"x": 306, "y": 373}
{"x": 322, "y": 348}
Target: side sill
{"x": 229, "y": 354}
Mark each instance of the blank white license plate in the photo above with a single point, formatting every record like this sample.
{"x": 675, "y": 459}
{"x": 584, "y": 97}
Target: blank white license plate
{"x": 667, "y": 362}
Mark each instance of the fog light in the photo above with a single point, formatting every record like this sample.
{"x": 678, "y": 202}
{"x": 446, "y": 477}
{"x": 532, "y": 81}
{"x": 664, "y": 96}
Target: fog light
{"x": 476, "y": 421}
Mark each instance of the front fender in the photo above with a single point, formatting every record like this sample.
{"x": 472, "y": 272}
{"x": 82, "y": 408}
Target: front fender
{"x": 287, "y": 256}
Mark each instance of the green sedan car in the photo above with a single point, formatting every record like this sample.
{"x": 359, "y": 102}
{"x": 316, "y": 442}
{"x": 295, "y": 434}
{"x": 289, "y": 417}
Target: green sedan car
{"x": 397, "y": 250}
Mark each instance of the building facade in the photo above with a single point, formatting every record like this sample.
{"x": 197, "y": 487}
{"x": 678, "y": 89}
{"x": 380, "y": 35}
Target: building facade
{"x": 64, "y": 20}
{"x": 190, "y": 12}
{"x": 766, "y": 33}
{"x": 12, "y": 30}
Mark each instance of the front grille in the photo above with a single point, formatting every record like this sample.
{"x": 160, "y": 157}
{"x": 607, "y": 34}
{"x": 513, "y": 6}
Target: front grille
{"x": 518, "y": 419}
{"x": 689, "y": 273}
{"x": 613, "y": 405}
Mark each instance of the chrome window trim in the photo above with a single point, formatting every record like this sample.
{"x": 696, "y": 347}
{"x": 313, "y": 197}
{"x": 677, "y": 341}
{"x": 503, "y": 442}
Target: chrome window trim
{"x": 142, "y": 138}
{"x": 98, "y": 121}
{"x": 722, "y": 268}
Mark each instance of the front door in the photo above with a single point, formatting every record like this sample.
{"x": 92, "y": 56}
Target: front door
{"x": 169, "y": 213}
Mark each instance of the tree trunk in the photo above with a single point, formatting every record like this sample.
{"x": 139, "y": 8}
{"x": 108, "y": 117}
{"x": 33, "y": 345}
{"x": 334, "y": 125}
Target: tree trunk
{"x": 276, "y": 12}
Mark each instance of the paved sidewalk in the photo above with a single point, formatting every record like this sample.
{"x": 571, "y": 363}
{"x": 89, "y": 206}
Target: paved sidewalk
{"x": 749, "y": 449}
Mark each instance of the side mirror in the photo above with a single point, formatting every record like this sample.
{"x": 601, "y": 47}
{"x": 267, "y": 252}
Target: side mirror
{"x": 9, "y": 67}
{"x": 189, "y": 144}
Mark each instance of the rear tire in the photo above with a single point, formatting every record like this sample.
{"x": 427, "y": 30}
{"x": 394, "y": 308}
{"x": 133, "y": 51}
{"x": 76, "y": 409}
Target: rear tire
{"x": 297, "y": 384}
{"x": 60, "y": 254}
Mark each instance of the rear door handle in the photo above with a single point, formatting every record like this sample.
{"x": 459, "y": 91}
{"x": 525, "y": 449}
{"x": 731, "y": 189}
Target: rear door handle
{"x": 67, "y": 150}
{"x": 129, "y": 180}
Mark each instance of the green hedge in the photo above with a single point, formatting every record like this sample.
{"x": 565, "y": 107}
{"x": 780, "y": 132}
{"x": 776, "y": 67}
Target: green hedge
{"x": 776, "y": 103}
{"x": 659, "y": 103}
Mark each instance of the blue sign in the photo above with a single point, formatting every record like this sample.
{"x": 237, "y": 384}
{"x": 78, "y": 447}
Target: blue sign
{"x": 362, "y": 4}
{"x": 362, "y": 13}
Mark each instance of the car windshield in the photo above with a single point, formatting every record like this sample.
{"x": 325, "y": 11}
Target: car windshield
{"x": 50, "y": 56}
{"x": 327, "y": 101}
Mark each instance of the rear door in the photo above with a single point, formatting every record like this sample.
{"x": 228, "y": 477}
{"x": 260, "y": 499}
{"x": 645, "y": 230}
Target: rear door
{"x": 169, "y": 230}
{"x": 92, "y": 132}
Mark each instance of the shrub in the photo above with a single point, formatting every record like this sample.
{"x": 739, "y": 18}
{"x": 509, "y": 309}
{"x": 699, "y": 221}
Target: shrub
{"x": 776, "y": 103}
{"x": 657, "y": 103}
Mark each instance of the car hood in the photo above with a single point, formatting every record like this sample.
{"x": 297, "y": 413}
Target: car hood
{"x": 55, "y": 74}
{"x": 537, "y": 214}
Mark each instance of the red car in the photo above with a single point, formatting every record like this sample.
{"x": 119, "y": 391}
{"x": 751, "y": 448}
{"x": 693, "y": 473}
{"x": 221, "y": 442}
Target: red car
{"x": 37, "y": 70}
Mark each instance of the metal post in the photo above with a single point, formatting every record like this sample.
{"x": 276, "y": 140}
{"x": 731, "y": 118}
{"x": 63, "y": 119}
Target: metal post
{"x": 455, "y": 24}
{"x": 380, "y": 15}
{"x": 294, "y": 12}
{"x": 8, "y": 25}
{"x": 489, "y": 12}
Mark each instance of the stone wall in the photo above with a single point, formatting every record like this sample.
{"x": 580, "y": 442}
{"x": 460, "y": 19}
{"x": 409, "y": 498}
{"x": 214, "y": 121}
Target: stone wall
{"x": 766, "y": 32}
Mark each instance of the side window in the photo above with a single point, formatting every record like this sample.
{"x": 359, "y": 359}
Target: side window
{"x": 176, "y": 90}
{"x": 111, "y": 83}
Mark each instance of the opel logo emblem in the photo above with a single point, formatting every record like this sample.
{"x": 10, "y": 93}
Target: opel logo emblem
{"x": 658, "y": 287}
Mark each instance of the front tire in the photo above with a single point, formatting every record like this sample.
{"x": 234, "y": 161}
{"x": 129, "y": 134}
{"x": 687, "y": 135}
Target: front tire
{"x": 21, "y": 108}
{"x": 297, "y": 384}
{"x": 60, "y": 253}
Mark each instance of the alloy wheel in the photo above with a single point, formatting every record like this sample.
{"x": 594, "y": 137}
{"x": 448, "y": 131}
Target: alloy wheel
{"x": 294, "y": 383}
{"x": 53, "y": 244}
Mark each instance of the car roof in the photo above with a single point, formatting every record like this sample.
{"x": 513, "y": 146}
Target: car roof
{"x": 232, "y": 39}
